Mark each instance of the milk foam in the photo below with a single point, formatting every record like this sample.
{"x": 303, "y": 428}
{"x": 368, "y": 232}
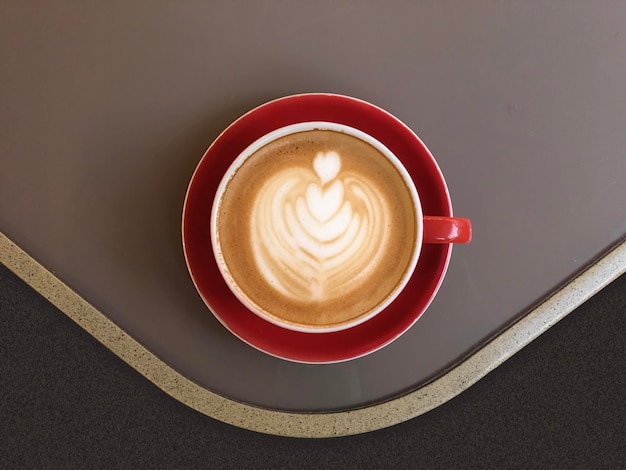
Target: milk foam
{"x": 315, "y": 230}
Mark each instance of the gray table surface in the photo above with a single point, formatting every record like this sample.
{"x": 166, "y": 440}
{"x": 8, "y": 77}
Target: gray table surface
{"x": 107, "y": 108}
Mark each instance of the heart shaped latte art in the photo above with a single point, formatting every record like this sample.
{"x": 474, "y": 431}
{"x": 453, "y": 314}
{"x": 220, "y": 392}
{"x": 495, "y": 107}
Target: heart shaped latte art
{"x": 316, "y": 232}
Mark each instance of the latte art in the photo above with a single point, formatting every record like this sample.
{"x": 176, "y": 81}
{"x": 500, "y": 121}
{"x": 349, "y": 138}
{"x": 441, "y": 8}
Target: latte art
{"x": 316, "y": 231}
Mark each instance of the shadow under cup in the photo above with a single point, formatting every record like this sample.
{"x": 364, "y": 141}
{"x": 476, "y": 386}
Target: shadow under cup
{"x": 316, "y": 227}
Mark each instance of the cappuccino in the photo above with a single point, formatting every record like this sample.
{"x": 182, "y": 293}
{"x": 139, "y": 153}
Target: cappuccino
{"x": 316, "y": 229}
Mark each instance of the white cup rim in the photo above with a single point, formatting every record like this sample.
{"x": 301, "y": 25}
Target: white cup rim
{"x": 282, "y": 132}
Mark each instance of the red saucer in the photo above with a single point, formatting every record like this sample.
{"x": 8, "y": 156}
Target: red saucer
{"x": 267, "y": 337}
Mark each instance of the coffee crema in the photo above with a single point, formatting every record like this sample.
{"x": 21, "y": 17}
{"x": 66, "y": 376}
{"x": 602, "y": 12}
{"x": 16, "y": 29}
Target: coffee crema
{"x": 316, "y": 229}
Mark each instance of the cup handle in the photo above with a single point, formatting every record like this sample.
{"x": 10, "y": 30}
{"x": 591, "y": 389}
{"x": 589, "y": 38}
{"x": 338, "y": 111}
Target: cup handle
{"x": 447, "y": 229}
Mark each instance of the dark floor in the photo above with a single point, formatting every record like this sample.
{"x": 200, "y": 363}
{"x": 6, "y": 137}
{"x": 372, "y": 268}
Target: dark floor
{"x": 67, "y": 402}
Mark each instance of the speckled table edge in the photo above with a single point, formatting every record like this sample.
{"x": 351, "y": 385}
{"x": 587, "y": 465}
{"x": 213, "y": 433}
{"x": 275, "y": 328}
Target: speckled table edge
{"x": 319, "y": 425}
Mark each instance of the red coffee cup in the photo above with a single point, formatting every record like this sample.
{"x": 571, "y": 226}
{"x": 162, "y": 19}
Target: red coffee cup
{"x": 440, "y": 230}
{"x": 302, "y": 259}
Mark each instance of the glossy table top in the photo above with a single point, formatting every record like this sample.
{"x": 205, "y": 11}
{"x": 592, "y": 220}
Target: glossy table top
{"x": 107, "y": 110}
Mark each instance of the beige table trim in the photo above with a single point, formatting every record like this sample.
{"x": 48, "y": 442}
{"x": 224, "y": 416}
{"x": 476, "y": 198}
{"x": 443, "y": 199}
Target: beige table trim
{"x": 608, "y": 268}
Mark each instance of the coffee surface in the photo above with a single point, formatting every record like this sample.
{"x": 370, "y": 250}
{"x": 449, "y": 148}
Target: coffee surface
{"x": 316, "y": 228}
